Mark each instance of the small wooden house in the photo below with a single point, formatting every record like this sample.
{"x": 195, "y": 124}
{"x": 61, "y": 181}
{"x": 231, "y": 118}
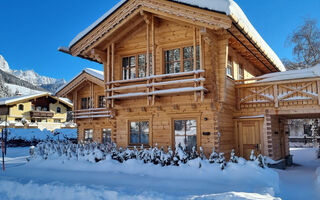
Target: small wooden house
{"x": 87, "y": 92}
{"x": 183, "y": 72}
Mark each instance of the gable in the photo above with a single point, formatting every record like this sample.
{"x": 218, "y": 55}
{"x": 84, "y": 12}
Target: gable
{"x": 78, "y": 82}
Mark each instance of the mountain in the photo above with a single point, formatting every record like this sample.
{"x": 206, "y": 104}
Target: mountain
{"x": 26, "y": 82}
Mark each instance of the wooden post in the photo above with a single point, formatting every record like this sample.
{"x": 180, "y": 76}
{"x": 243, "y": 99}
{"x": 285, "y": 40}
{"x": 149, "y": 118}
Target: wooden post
{"x": 275, "y": 95}
{"x": 112, "y": 72}
{"x": 153, "y": 47}
{"x": 107, "y": 78}
{"x": 201, "y": 65}
{"x": 148, "y": 61}
{"x": 195, "y": 59}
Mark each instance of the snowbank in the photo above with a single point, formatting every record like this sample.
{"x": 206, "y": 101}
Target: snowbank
{"x": 318, "y": 175}
{"x": 235, "y": 196}
{"x": 34, "y": 191}
{"x": 244, "y": 174}
{"x": 37, "y": 134}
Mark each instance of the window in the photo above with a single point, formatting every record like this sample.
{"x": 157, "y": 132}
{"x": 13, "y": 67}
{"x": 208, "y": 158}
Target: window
{"x": 57, "y": 121}
{"x": 106, "y": 135}
{"x": 58, "y": 110}
{"x": 229, "y": 68}
{"x": 88, "y": 135}
{"x": 135, "y": 66}
{"x": 139, "y": 132}
{"x": 86, "y": 103}
{"x": 185, "y": 133}
{"x": 241, "y": 72}
{"x": 173, "y": 59}
{"x": 101, "y": 102}
{"x": 21, "y": 107}
{"x": 18, "y": 119}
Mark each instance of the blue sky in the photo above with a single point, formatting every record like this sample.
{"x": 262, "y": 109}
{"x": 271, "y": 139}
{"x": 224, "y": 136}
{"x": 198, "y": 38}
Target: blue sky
{"x": 31, "y": 31}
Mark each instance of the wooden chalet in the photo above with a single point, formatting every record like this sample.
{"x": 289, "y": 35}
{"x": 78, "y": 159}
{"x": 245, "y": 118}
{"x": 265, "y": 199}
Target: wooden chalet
{"x": 178, "y": 71}
{"x": 87, "y": 91}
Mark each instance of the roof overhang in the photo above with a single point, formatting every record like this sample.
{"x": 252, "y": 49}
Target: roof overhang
{"x": 229, "y": 16}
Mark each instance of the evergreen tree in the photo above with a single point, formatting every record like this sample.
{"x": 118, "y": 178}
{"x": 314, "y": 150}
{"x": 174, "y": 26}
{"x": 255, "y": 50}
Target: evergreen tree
{"x": 233, "y": 157}
{"x": 214, "y": 156}
{"x": 252, "y": 156}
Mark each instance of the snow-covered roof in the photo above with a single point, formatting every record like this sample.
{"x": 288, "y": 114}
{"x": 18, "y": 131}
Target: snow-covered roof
{"x": 10, "y": 100}
{"x": 93, "y": 72}
{"x": 229, "y": 7}
{"x": 312, "y": 72}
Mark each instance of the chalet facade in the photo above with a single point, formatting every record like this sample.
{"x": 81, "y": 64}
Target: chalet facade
{"x": 184, "y": 73}
{"x": 87, "y": 92}
{"x": 40, "y": 110}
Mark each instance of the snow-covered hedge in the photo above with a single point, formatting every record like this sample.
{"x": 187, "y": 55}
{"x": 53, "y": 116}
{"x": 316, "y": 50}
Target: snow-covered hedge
{"x": 94, "y": 152}
{"x": 27, "y": 137}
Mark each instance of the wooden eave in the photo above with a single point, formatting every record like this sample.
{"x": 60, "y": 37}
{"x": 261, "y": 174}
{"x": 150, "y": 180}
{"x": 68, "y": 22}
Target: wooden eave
{"x": 76, "y": 82}
{"x": 160, "y": 8}
{"x": 245, "y": 47}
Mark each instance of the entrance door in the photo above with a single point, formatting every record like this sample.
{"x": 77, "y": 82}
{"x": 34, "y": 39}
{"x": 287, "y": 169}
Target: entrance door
{"x": 249, "y": 137}
{"x": 185, "y": 132}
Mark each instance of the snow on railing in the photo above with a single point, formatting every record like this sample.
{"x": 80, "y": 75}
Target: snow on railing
{"x": 92, "y": 113}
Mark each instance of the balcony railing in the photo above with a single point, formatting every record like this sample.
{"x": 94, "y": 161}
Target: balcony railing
{"x": 277, "y": 94}
{"x": 42, "y": 114}
{"x": 92, "y": 113}
{"x": 158, "y": 85}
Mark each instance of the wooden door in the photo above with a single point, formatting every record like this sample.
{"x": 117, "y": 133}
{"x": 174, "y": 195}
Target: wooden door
{"x": 249, "y": 137}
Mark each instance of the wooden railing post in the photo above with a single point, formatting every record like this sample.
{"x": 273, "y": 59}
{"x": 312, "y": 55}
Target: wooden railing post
{"x": 275, "y": 95}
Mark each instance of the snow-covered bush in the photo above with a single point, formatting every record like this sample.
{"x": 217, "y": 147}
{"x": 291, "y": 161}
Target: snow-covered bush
{"x": 93, "y": 152}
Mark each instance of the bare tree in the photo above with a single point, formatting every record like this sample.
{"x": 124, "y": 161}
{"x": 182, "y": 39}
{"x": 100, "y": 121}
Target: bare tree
{"x": 306, "y": 45}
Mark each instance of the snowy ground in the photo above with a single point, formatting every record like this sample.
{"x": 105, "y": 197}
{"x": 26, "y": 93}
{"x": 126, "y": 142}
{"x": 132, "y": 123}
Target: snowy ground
{"x": 46, "y": 180}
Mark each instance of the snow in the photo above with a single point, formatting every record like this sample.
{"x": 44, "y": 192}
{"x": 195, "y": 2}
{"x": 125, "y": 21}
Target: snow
{"x": 318, "y": 176}
{"x": 23, "y": 90}
{"x": 312, "y": 72}
{"x": 31, "y": 134}
{"x": 229, "y": 7}
{"x": 63, "y": 179}
{"x": 251, "y": 117}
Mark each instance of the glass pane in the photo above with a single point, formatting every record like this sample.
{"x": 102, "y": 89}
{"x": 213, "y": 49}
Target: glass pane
{"x": 141, "y": 71}
{"x": 106, "y": 135}
{"x": 134, "y": 132}
{"x": 125, "y": 62}
{"x": 141, "y": 60}
{"x": 185, "y": 133}
{"x": 179, "y": 127}
{"x": 191, "y": 127}
{"x": 170, "y": 68}
{"x": 144, "y": 132}
{"x": 177, "y": 67}
{"x": 176, "y": 54}
{"x": 187, "y": 66}
{"x": 187, "y": 52}
{"x": 132, "y": 61}
{"x": 132, "y": 72}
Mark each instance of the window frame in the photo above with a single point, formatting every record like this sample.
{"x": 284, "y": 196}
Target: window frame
{"x": 129, "y": 132}
{"x": 89, "y": 103}
{"x": 58, "y": 109}
{"x": 182, "y": 59}
{"x": 105, "y": 132}
{"x": 21, "y": 107}
{"x": 88, "y": 139}
{"x": 103, "y": 100}
{"x": 231, "y": 69}
{"x": 241, "y": 72}
{"x": 185, "y": 131}
{"x": 136, "y": 55}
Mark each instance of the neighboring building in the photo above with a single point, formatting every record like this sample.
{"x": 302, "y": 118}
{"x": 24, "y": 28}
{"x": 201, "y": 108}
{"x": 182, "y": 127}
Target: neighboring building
{"x": 35, "y": 110}
{"x": 173, "y": 73}
{"x": 87, "y": 92}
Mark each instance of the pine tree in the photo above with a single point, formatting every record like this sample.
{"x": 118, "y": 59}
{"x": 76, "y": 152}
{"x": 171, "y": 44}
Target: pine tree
{"x": 261, "y": 161}
{"x": 202, "y": 155}
{"x": 252, "y": 156}
{"x": 214, "y": 156}
{"x": 233, "y": 157}
{"x": 222, "y": 161}
{"x": 193, "y": 154}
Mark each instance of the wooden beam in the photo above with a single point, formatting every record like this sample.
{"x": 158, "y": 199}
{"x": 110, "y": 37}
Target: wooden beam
{"x": 275, "y": 95}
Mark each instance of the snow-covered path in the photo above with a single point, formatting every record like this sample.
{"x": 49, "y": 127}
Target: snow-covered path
{"x": 299, "y": 182}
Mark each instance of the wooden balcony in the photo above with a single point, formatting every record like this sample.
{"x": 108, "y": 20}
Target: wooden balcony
{"x": 158, "y": 85}
{"x": 254, "y": 93}
{"x": 41, "y": 114}
{"x": 92, "y": 113}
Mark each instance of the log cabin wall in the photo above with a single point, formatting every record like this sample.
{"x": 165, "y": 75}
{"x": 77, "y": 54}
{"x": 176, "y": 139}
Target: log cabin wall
{"x": 161, "y": 116}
